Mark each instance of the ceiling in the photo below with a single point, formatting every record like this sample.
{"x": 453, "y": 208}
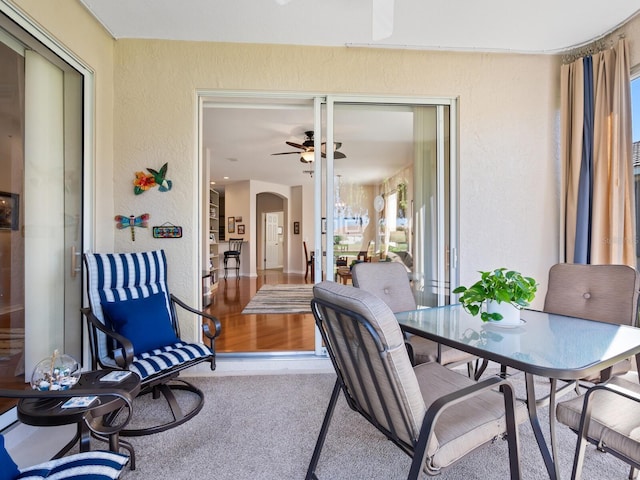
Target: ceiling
{"x": 486, "y": 25}
{"x": 243, "y": 139}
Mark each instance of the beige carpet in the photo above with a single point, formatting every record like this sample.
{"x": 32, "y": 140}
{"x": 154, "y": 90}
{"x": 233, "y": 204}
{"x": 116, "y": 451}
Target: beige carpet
{"x": 281, "y": 299}
{"x": 265, "y": 427}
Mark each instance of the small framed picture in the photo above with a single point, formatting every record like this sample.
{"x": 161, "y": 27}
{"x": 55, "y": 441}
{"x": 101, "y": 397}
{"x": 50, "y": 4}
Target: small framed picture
{"x": 296, "y": 228}
{"x": 324, "y": 225}
{"x": 9, "y": 211}
{"x": 241, "y": 229}
{"x": 238, "y": 219}
{"x": 231, "y": 225}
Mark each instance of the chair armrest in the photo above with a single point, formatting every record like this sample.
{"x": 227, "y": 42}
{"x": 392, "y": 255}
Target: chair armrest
{"x": 616, "y": 389}
{"x": 205, "y": 325}
{"x": 124, "y": 355}
{"x": 446, "y": 401}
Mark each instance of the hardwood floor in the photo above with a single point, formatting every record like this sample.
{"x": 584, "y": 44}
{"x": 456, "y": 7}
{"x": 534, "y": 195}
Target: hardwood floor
{"x": 240, "y": 333}
{"x": 259, "y": 333}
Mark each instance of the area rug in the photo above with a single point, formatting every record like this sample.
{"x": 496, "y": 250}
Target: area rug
{"x": 281, "y": 299}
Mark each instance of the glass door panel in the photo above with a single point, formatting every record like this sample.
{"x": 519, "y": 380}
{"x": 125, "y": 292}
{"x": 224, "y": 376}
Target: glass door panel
{"x": 387, "y": 191}
{"x": 41, "y": 145}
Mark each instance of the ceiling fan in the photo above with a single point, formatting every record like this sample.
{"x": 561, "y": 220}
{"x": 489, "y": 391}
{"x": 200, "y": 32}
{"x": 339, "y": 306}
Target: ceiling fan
{"x": 307, "y": 154}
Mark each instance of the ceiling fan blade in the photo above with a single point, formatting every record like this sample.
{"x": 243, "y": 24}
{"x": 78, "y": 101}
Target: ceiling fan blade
{"x": 336, "y": 155}
{"x": 285, "y": 153}
{"x": 296, "y": 145}
{"x": 382, "y": 19}
{"x": 336, "y": 146}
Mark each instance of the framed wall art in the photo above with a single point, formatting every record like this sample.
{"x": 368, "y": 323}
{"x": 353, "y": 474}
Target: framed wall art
{"x": 296, "y": 228}
{"x": 231, "y": 225}
{"x": 241, "y": 229}
{"x": 9, "y": 211}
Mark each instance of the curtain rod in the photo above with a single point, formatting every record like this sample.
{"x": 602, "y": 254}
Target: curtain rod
{"x": 591, "y": 49}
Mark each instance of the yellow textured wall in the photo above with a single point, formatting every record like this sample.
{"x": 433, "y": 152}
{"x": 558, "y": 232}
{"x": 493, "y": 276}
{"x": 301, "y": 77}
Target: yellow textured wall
{"x": 80, "y": 33}
{"x": 509, "y": 107}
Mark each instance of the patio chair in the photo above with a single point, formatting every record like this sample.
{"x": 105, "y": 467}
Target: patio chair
{"x": 432, "y": 413}
{"x": 97, "y": 465}
{"x": 389, "y": 281}
{"x": 605, "y": 293}
{"x": 133, "y": 325}
{"x": 607, "y": 416}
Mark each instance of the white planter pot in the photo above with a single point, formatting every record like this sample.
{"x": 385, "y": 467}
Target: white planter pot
{"x": 510, "y": 314}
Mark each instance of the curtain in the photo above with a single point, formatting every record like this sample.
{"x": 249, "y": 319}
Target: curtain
{"x": 596, "y": 155}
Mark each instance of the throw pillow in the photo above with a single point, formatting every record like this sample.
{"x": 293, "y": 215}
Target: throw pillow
{"x": 144, "y": 321}
{"x": 8, "y": 468}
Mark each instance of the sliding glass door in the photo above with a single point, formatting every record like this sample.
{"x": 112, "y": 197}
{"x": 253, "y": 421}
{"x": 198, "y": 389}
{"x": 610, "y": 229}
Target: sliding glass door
{"x": 388, "y": 189}
{"x": 44, "y": 138}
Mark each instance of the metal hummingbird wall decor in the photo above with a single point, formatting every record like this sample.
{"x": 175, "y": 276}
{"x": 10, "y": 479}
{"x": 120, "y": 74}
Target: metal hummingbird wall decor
{"x": 132, "y": 222}
{"x": 145, "y": 181}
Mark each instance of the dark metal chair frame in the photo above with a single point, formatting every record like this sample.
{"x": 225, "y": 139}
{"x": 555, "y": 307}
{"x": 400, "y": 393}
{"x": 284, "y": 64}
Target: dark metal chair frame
{"x": 165, "y": 381}
{"x": 347, "y": 377}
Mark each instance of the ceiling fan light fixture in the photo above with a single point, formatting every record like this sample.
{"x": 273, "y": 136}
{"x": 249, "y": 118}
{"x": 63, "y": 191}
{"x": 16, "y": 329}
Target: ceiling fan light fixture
{"x": 308, "y": 157}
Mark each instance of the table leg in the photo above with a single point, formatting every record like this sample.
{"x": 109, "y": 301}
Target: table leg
{"x": 85, "y": 437}
{"x": 548, "y": 457}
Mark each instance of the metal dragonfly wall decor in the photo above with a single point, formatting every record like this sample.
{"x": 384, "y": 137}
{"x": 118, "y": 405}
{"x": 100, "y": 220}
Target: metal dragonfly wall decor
{"x": 132, "y": 221}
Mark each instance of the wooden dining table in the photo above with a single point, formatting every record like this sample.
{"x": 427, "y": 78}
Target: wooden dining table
{"x": 547, "y": 345}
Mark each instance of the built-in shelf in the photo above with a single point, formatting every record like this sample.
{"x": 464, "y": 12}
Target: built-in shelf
{"x": 214, "y": 228}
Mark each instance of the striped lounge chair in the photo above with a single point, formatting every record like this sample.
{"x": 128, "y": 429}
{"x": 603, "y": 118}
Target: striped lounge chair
{"x": 133, "y": 326}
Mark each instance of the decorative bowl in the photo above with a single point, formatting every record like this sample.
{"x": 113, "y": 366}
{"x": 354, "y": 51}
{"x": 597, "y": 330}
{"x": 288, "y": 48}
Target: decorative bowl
{"x": 58, "y": 372}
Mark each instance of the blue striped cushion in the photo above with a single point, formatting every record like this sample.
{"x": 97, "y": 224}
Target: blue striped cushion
{"x": 167, "y": 357}
{"x": 96, "y": 465}
{"x": 123, "y": 276}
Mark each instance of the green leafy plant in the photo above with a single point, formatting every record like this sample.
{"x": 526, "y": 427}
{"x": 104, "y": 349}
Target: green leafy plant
{"x": 500, "y": 285}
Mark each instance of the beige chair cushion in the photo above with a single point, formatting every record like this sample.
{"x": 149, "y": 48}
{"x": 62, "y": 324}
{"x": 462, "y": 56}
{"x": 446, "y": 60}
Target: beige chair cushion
{"x": 615, "y": 420}
{"x": 425, "y": 350}
{"x": 467, "y": 425}
{"x": 386, "y": 326}
{"x": 386, "y": 280}
{"x": 389, "y": 281}
{"x": 605, "y": 293}
{"x": 464, "y": 426}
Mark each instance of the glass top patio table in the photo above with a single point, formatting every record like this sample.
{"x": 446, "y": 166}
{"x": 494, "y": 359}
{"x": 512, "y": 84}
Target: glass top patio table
{"x": 544, "y": 344}
{"x": 552, "y": 346}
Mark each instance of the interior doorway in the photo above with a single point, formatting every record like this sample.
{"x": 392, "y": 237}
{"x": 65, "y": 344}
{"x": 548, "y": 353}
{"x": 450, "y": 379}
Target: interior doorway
{"x": 386, "y": 188}
{"x": 273, "y": 240}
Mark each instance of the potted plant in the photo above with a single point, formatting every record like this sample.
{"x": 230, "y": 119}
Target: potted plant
{"x": 498, "y": 288}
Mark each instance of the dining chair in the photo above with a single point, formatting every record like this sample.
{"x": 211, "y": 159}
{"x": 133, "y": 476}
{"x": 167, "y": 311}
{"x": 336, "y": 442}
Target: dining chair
{"x": 605, "y": 293}
{"x": 389, "y": 281}
{"x": 308, "y": 259}
{"x": 432, "y": 413}
{"x": 233, "y": 253}
{"x": 607, "y": 416}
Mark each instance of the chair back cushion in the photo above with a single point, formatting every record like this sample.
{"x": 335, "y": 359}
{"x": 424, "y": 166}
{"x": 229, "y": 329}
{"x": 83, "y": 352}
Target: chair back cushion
{"x": 366, "y": 344}
{"x": 145, "y": 321}
{"x": 8, "y": 468}
{"x": 123, "y": 277}
{"x": 386, "y": 280}
{"x": 606, "y": 293}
